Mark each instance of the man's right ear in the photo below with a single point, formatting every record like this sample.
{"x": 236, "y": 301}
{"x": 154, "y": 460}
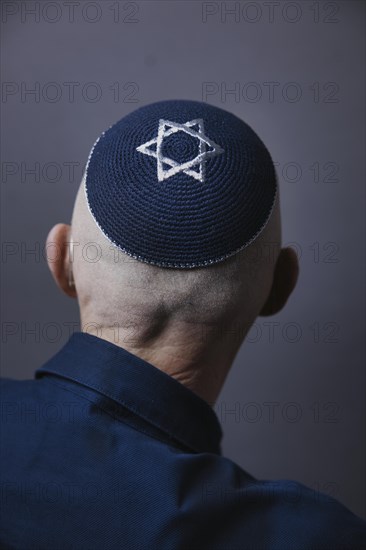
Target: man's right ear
{"x": 284, "y": 281}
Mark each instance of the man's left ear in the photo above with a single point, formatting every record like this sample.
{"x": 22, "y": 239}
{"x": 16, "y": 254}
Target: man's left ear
{"x": 58, "y": 258}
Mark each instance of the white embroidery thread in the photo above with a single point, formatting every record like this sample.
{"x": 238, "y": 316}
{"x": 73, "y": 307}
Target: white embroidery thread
{"x": 185, "y": 167}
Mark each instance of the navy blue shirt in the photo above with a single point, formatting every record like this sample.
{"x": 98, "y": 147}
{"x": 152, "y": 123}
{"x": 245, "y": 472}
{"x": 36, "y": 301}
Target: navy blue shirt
{"x": 102, "y": 451}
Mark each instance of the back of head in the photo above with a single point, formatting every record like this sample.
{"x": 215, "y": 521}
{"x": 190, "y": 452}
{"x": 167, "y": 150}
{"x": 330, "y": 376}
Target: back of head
{"x": 180, "y": 201}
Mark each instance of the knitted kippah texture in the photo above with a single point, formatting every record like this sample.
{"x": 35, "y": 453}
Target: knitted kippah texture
{"x": 180, "y": 184}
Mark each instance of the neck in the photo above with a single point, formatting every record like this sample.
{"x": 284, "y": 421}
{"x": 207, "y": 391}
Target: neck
{"x": 196, "y": 355}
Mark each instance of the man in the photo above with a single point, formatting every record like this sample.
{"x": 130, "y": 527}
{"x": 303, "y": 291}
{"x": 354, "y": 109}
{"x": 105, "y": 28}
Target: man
{"x": 174, "y": 244}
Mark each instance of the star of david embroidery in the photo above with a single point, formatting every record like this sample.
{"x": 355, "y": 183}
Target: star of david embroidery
{"x": 167, "y": 128}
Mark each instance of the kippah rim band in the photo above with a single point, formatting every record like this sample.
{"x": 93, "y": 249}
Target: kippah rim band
{"x": 174, "y": 265}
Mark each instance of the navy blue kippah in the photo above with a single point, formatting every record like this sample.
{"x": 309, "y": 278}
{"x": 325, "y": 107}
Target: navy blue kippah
{"x": 180, "y": 184}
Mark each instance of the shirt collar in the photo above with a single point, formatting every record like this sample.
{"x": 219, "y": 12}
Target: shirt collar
{"x": 139, "y": 386}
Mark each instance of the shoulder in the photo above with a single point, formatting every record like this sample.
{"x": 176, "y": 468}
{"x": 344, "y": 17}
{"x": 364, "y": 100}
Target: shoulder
{"x": 29, "y": 402}
{"x": 281, "y": 514}
{"x": 19, "y": 390}
{"x": 11, "y": 388}
{"x": 311, "y": 516}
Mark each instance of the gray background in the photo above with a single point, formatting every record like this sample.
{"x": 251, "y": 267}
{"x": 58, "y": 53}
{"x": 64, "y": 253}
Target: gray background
{"x": 306, "y": 366}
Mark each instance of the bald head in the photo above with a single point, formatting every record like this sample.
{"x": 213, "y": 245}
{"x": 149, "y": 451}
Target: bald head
{"x": 173, "y": 269}
{"x": 111, "y": 284}
{"x": 168, "y": 316}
